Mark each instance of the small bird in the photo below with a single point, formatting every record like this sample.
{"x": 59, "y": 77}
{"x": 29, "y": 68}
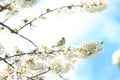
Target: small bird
{"x": 61, "y": 42}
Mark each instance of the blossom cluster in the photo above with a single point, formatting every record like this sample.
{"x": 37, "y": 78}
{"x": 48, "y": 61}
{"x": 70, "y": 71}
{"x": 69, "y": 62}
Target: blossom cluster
{"x": 94, "y": 6}
{"x": 26, "y": 3}
{"x": 56, "y": 60}
{"x": 14, "y": 6}
{"x": 116, "y": 57}
{"x": 88, "y": 49}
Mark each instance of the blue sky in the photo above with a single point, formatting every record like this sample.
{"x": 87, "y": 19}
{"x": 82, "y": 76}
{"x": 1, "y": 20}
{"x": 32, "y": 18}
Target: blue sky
{"x": 106, "y": 28}
{"x": 76, "y": 27}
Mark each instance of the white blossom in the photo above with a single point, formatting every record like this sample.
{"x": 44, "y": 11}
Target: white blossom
{"x": 94, "y": 6}
{"x": 61, "y": 66}
{"x": 116, "y": 57}
{"x": 88, "y": 49}
{"x": 26, "y": 3}
{"x": 1, "y": 49}
{"x": 59, "y": 60}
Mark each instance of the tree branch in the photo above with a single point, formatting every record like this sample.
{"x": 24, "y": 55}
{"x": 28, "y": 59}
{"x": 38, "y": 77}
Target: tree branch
{"x": 32, "y": 52}
{"x": 16, "y": 32}
{"x": 28, "y": 40}
{"x": 47, "y": 13}
{"x": 20, "y": 54}
{"x": 61, "y": 77}
{"x": 26, "y": 24}
{"x": 7, "y": 18}
{"x": 2, "y": 8}
{"x": 6, "y": 62}
{"x": 38, "y": 74}
{"x": 7, "y": 27}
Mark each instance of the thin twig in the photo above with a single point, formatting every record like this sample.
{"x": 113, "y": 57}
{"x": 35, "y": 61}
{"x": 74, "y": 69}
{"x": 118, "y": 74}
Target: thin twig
{"x": 46, "y": 13}
{"x": 28, "y": 40}
{"x": 39, "y": 74}
{"x": 7, "y": 27}
{"x": 51, "y": 10}
{"x": 28, "y": 53}
{"x": 30, "y": 78}
{"x": 7, "y": 18}
{"x": 16, "y": 32}
{"x": 6, "y": 62}
{"x": 26, "y": 24}
{"x": 61, "y": 76}
{"x": 20, "y": 54}
{"x": 15, "y": 55}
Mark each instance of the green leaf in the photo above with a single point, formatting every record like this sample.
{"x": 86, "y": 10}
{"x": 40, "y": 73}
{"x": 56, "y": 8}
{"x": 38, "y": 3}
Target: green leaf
{"x": 48, "y": 10}
{"x": 25, "y": 20}
{"x": 43, "y": 17}
{"x": 69, "y": 7}
{"x": 1, "y": 28}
